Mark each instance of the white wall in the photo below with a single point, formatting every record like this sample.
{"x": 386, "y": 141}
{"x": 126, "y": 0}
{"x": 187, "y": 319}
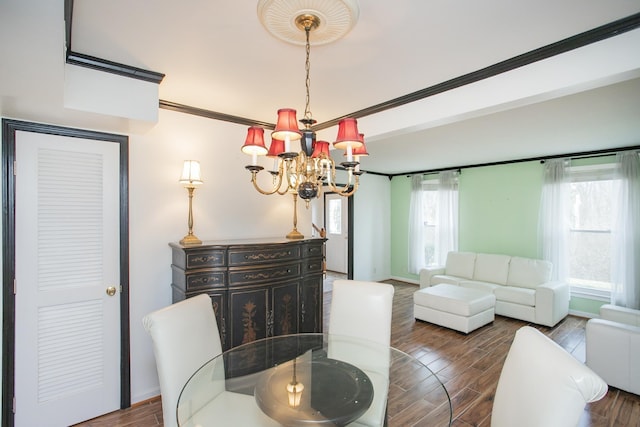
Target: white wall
{"x": 225, "y": 206}
{"x": 372, "y": 229}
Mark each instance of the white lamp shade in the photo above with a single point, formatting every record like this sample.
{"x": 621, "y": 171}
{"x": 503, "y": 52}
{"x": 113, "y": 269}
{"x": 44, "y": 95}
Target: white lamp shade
{"x": 191, "y": 173}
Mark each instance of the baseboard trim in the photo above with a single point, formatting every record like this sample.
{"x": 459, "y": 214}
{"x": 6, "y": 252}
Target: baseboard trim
{"x": 146, "y": 401}
{"x": 584, "y": 314}
{"x": 404, "y": 279}
{"x": 145, "y": 397}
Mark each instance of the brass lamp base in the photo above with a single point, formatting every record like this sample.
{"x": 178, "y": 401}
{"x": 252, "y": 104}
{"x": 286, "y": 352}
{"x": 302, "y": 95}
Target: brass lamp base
{"x": 295, "y": 235}
{"x": 190, "y": 239}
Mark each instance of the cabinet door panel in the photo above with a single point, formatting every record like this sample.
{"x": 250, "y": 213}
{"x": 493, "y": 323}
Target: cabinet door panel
{"x": 285, "y": 308}
{"x": 311, "y": 304}
{"x": 248, "y": 315}
{"x": 219, "y": 307}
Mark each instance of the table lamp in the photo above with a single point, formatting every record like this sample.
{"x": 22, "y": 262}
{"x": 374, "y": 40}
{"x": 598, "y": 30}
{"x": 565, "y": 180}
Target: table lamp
{"x": 190, "y": 178}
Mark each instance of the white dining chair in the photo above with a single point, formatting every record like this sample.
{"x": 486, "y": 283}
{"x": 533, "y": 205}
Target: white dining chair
{"x": 185, "y": 336}
{"x": 362, "y": 310}
{"x": 541, "y": 384}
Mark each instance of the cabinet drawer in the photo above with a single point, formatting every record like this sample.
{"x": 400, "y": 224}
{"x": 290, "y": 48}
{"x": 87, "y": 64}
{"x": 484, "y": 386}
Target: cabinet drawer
{"x": 239, "y": 257}
{"x": 205, "y": 280}
{"x": 311, "y": 265}
{"x": 267, "y": 274}
{"x": 211, "y": 258}
{"x": 312, "y": 249}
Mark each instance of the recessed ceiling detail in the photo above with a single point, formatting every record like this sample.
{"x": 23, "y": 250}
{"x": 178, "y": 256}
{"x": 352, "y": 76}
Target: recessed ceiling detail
{"x": 337, "y": 18}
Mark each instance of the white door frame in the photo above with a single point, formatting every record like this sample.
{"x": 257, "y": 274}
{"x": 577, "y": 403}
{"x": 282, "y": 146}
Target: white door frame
{"x": 349, "y": 201}
{"x": 336, "y": 244}
{"x": 9, "y": 129}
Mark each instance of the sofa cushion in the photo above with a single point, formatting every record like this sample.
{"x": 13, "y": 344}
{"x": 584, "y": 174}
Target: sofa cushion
{"x": 528, "y": 273}
{"x": 460, "y": 264}
{"x": 480, "y": 286}
{"x": 492, "y": 268}
{"x": 523, "y": 296}
{"x": 442, "y": 278}
{"x": 625, "y": 315}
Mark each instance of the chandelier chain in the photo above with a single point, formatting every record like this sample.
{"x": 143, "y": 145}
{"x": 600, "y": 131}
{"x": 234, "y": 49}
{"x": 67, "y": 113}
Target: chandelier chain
{"x": 307, "y": 67}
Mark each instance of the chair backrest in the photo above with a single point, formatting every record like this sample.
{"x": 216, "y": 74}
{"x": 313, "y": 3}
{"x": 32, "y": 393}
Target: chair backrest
{"x": 361, "y": 309}
{"x": 185, "y": 336}
{"x": 543, "y": 385}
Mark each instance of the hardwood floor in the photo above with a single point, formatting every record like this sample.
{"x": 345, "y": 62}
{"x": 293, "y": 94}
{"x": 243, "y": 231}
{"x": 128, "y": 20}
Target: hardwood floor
{"x": 468, "y": 365}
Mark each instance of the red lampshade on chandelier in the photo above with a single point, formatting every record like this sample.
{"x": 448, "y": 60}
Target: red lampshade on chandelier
{"x": 304, "y": 173}
{"x": 321, "y": 147}
{"x": 276, "y": 148}
{"x": 362, "y": 150}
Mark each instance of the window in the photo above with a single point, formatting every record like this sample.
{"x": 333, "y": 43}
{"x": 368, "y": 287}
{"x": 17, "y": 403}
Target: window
{"x": 334, "y": 221}
{"x": 429, "y": 219}
{"x": 591, "y": 213}
{"x": 433, "y": 220}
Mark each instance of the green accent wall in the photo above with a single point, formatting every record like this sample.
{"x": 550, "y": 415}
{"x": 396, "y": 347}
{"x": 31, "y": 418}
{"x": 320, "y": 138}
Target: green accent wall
{"x": 499, "y": 209}
{"x": 498, "y": 213}
{"x": 585, "y": 305}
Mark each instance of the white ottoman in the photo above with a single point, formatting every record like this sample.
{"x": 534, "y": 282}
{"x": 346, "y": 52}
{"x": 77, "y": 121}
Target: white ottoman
{"x": 454, "y": 307}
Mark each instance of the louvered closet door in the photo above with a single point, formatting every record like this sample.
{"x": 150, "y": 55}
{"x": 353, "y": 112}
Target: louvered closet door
{"x": 67, "y": 364}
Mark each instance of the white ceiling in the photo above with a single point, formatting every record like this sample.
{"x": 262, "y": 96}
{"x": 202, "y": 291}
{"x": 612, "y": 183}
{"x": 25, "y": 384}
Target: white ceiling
{"x": 216, "y": 56}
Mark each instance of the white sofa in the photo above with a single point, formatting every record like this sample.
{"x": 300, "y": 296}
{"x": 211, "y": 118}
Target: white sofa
{"x": 522, "y": 286}
{"x": 613, "y": 347}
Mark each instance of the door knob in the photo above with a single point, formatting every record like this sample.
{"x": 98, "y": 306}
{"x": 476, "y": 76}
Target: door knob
{"x": 111, "y": 291}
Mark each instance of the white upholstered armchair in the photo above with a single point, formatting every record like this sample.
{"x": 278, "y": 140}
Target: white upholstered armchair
{"x": 613, "y": 347}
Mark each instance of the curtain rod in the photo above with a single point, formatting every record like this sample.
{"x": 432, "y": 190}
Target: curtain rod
{"x": 576, "y": 155}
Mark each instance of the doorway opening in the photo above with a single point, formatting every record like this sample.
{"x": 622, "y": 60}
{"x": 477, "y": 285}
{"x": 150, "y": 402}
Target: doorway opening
{"x": 338, "y": 223}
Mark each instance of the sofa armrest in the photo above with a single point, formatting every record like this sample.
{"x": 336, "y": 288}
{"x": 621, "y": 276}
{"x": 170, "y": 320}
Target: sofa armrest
{"x": 427, "y": 273}
{"x": 619, "y": 314}
{"x": 612, "y": 349}
{"x": 552, "y": 303}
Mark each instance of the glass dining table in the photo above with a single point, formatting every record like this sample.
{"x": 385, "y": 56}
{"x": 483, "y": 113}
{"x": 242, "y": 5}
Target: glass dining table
{"x": 313, "y": 380}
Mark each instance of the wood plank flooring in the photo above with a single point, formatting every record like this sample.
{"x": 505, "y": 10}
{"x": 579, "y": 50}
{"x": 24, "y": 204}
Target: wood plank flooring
{"x": 468, "y": 365}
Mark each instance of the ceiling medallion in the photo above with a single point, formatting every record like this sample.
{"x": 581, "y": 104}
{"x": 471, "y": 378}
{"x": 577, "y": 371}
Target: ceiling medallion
{"x": 337, "y": 18}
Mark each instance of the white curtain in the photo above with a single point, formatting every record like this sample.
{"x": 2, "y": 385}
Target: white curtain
{"x": 625, "y": 255}
{"x": 553, "y": 221}
{"x": 416, "y": 226}
{"x": 447, "y": 217}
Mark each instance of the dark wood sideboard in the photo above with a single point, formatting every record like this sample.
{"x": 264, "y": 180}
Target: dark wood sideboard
{"x": 258, "y": 288}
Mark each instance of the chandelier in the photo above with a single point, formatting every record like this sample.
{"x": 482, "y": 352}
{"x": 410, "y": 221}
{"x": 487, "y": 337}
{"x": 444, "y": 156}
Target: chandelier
{"x": 306, "y": 172}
